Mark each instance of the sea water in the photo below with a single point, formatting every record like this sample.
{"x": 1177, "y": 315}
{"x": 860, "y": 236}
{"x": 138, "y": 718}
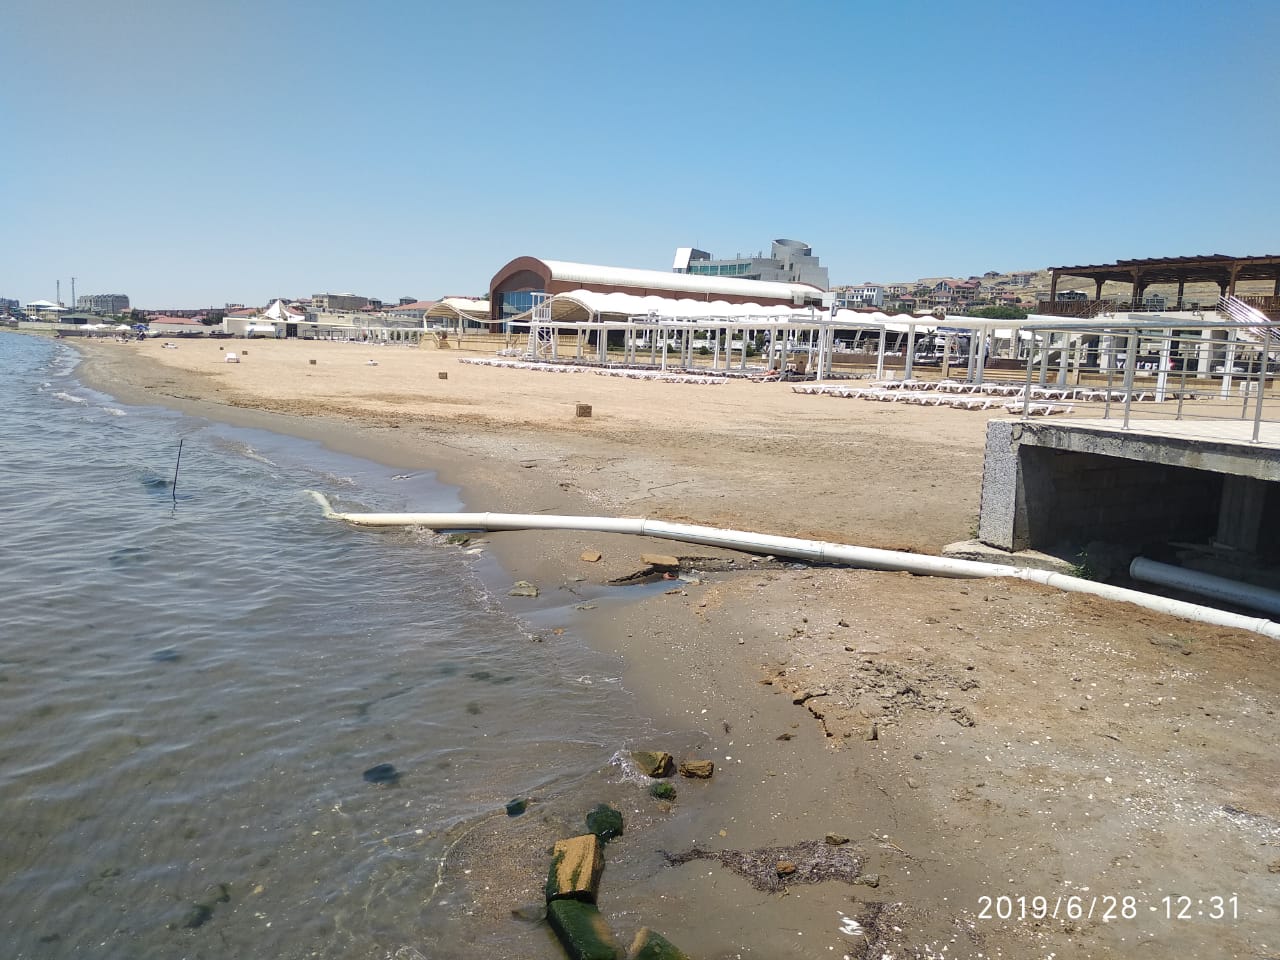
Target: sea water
{"x": 194, "y": 680}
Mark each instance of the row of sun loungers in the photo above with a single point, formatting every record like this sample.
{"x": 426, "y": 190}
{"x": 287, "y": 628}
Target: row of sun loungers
{"x": 630, "y": 374}
{"x": 1038, "y": 392}
{"x": 934, "y": 398}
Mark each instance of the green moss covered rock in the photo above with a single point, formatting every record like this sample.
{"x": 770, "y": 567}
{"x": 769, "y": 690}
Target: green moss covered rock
{"x": 651, "y": 945}
{"x": 583, "y": 932}
{"x": 605, "y": 822}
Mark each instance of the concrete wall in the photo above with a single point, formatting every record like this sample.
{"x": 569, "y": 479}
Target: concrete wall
{"x": 1079, "y": 497}
{"x": 1045, "y": 487}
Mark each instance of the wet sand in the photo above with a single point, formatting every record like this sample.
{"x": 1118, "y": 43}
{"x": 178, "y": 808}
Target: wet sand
{"x": 1027, "y": 743}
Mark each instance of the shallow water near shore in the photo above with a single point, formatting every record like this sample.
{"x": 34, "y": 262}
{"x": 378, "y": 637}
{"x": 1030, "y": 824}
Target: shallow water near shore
{"x": 195, "y": 684}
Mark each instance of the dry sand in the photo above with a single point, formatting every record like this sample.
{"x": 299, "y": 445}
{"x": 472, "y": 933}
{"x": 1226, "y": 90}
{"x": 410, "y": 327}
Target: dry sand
{"x": 1029, "y": 743}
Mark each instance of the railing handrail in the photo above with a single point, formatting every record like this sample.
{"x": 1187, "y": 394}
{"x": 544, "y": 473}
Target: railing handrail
{"x": 1253, "y": 319}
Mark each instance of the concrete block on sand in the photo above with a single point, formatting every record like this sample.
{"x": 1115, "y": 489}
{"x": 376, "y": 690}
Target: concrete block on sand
{"x": 651, "y": 945}
{"x": 576, "y": 866}
{"x": 977, "y": 550}
{"x": 582, "y": 931}
{"x": 700, "y": 769}
{"x": 660, "y": 560}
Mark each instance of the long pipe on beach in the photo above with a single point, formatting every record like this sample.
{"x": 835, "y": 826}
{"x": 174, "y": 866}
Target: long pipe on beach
{"x": 815, "y": 551}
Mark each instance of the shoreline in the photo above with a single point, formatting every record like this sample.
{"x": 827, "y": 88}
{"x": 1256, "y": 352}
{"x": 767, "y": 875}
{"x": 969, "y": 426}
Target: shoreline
{"x": 780, "y": 674}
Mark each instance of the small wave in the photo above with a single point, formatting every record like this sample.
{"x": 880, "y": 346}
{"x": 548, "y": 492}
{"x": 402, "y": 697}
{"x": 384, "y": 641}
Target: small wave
{"x": 114, "y": 411}
{"x": 253, "y": 454}
{"x": 629, "y": 771}
{"x": 242, "y": 449}
{"x": 69, "y": 398}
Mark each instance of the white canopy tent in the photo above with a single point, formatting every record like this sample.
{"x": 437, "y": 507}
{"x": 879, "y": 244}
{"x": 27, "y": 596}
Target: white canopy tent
{"x": 718, "y": 322}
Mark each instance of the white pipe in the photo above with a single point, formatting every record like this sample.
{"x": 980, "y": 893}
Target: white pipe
{"x": 817, "y": 551}
{"x": 1206, "y": 584}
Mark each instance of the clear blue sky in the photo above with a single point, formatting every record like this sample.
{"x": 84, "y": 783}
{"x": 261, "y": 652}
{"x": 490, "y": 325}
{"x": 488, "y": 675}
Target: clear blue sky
{"x": 194, "y": 152}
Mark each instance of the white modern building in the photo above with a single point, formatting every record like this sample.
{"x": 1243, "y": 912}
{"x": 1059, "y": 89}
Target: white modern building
{"x": 863, "y": 295}
{"x": 790, "y": 261}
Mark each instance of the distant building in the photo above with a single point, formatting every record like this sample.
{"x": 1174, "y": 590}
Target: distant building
{"x": 790, "y": 261}
{"x": 515, "y": 288}
{"x": 952, "y": 293}
{"x": 411, "y": 309}
{"x": 103, "y": 303}
{"x": 168, "y": 324}
{"x": 44, "y": 310}
{"x": 862, "y": 295}
{"x": 188, "y": 313}
{"x": 1020, "y": 279}
{"x": 338, "y": 302}
{"x": 1072, "y": 295}
{"x": 8, "y": 305}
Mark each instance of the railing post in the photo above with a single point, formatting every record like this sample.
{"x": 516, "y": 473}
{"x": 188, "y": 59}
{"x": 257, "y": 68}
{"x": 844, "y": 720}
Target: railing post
{"x": 1182, "y": 387}
{"x": 1130, "y": 361}
{"x": 1162, "y": 375}
{"x": 1111, "y": 374}
{"x": 1262, "y": 383}
{"x": 1031, "y": 362}
{"x": 1229, "y": 366}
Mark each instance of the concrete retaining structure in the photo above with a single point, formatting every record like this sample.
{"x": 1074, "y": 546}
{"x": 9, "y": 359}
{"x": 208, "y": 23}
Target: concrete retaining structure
{"x": 1047, "y": 483}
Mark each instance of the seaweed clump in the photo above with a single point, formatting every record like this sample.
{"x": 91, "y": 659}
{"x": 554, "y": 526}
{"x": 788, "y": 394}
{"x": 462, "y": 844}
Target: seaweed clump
{"x": 814, "y": 862}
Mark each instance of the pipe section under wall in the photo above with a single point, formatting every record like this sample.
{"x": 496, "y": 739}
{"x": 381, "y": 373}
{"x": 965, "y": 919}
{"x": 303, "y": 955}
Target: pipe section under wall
{"x": 1206, "y": 584}
{"x": 816, "y": 551}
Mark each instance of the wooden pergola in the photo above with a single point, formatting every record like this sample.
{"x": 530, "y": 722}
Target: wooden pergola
{"x": 1217, "y": 268}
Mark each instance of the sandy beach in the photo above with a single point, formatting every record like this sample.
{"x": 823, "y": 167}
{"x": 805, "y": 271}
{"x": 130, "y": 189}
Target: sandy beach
{"x": 981, "y": 743}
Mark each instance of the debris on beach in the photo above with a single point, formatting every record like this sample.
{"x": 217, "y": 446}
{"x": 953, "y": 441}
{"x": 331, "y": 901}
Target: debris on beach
{"x": 197, "y": 914}
{"x": 663, "y": 791}
{"x": 531, "y": 912}
{"x": 583, "y": 932}
{"x": 653, "y": 763}
{"x": 884, "y": 929}
{"x": 660, "y": 560}
{"x": 576, "y": 866}
{"x": 591, "y": 556}
{"x": 877, "y": 693}
{"x": 772, "y": 869}
{"x": 572, "y": 883}
{"x": 605, "y": 822}
{"x": 651, "y": 945}
{"x": 522, "y": 588}
{"x": 383, "y": 774}
{"x": 697, "y": 769}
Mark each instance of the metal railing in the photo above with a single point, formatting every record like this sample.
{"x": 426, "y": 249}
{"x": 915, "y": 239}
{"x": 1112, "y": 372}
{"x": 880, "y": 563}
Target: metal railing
{"x": 1214, "y": 370}
{"x": 1267, "y": 306}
